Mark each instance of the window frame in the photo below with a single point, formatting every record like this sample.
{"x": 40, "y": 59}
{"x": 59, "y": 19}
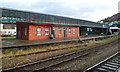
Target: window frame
{"x": 25, "y": 31}
{"x": 59, "y": 30}
{"x": 69, "y": 31}
{"x": 74, "y": 31}
{"x": 46, "y": 30}
{"x": 39, "y": 31}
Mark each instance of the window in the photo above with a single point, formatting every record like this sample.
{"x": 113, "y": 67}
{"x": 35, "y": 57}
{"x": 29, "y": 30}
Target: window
{"x": 8, "y": 26}
{"x": 39, "y": 31}
{"x": 87, "y": 29}
{"x": 74, "y": 31}
{"x": 91, "y": 29}
{"x": 60, "y": 30}
{"x": 69, "y": 30}
{"x": 46, "y": 31}
{"x": 25, "y": 31}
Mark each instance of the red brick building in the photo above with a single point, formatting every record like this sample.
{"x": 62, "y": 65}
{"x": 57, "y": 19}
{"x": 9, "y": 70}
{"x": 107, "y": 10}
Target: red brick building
{"x": 39, "y": 31}
{"x": 38, "y": 26}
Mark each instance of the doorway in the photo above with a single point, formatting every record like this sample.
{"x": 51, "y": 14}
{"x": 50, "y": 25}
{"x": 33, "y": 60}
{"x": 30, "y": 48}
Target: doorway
{"x": 52, "y": 32}
{"x": 65, "y": 33}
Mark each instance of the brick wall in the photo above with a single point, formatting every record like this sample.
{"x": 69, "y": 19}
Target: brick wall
{"x": 32, "y": 31}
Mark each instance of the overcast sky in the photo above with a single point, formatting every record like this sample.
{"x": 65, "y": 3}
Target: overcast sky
{"x": 92, "y": 10}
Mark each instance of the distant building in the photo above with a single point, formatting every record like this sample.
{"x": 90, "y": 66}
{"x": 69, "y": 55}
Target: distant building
{"x": 8, "y": 29}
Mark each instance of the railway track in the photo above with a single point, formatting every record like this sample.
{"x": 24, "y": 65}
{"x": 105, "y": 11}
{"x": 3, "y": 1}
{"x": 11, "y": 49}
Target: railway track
{"x": 54, "y": 61}
{"x": 110, "y": 64}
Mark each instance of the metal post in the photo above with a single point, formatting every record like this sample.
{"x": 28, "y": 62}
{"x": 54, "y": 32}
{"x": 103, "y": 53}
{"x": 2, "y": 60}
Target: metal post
{"x": 0, "y": 39}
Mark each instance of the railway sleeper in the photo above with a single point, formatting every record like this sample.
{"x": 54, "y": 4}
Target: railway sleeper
{"x": 109, "y": 68}
{"x": 102, "y": 70}
{"x": 113, "y": 63}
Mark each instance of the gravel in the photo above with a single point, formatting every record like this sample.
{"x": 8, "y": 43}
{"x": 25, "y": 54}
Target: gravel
{"x": 87, "y": 61}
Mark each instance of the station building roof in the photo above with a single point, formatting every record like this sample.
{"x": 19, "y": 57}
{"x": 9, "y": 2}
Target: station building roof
{"x": 13, "y": 16}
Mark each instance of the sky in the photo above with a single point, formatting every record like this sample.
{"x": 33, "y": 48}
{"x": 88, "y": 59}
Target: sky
{"x": 92, "y": 10}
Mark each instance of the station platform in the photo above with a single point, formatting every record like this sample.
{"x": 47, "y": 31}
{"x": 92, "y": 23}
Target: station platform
{"x": 16, "y": 42}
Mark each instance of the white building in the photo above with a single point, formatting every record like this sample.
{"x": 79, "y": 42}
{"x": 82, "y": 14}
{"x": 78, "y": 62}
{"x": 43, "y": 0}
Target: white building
{"x": 114, "y": 30}
{"x": 7, "y": 31}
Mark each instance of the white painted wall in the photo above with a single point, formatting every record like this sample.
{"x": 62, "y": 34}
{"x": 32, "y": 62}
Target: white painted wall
{"x": 116, "y": 33}
{"x": 7, "y": 31}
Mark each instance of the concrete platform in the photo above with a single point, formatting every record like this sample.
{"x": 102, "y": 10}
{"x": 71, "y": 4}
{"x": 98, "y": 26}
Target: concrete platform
{"x": 7, "y": 43}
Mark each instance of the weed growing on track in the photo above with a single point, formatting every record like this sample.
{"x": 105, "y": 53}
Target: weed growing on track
{"x": 13, "y": 52}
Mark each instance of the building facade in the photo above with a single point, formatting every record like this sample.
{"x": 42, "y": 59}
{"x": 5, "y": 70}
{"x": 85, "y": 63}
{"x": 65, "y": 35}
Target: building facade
{"x": 34, "y": 31}
{"x": 38, "y": 26}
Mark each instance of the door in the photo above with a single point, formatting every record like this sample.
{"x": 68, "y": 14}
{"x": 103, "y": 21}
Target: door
{"x": 23, "y": 33}
{"x": 65, "y": 33}
{"x": 52, "y": 32}
{"x": 83, "y": 31}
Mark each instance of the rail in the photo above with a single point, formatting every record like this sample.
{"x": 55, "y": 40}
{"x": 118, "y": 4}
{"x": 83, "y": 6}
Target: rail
{"x": 44, "y": 64}
{"x": 110, "y": 64}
